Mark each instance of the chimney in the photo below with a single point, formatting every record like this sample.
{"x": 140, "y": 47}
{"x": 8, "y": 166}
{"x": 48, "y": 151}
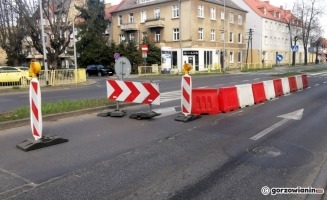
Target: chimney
{"x": 281, "y": 7}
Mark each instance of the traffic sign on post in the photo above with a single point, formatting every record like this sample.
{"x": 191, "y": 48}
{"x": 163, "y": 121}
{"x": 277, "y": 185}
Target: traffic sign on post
{"x": 279, "y": 57}
{"x": 295, "y": 48}
{"x": 144, "y": 48}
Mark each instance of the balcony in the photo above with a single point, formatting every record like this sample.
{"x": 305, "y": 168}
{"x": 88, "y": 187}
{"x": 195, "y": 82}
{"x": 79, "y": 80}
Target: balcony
{"x": 155, "y": 23}
{"x": 129, "y": 27}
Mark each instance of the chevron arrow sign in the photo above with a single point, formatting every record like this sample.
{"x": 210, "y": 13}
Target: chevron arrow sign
{"x": 136, "y": 92}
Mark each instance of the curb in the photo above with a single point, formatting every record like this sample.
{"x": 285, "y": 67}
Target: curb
{"x": 52, "y": 117}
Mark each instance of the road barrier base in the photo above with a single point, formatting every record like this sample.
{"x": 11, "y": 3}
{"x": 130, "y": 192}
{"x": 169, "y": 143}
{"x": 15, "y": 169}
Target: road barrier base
{"x": 188, "y": 118}
{"x": 144, "y": 115}
{"x": 45, "y": 141}
{"x": 112, "y": 113}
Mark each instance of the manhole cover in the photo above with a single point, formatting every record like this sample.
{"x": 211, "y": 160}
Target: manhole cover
{"x": 265, "y": 151}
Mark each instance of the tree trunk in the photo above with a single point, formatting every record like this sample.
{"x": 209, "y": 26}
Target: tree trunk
{"x": 305, "y": 55}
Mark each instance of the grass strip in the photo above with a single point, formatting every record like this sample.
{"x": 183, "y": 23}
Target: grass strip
{"x": 55, "y": 107}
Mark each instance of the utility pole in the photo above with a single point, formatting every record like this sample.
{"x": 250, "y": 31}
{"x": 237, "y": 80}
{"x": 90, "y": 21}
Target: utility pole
{"x": 250, "y": 33}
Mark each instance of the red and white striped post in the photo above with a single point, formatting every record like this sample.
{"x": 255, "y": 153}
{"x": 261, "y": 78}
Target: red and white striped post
{"x": 186, "y": 98}
{"x": 35, "y": 109}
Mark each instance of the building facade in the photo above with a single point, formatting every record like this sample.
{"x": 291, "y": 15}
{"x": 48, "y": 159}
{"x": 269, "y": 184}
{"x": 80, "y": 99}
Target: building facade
{"x": 3, "y": 57}
{"x": 271, "y": 34}
{"x": 187, "y": 31}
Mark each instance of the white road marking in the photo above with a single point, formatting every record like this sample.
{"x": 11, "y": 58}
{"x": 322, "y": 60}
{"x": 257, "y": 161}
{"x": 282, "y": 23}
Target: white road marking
{"x": 296, "y": 115}
{"x": 165, "y": 111}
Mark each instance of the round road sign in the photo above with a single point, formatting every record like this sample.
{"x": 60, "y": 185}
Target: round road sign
{"x": 122, "y": 68}
{"x": 116, "y": 56}
{"x": 144, "y": 48}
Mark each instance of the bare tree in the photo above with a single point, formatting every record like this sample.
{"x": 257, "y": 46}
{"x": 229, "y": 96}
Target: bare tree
{"x": 308, "y": 12}
{"x": 57, "y": 26}
{"x": 11, "y": 32}
{"x": 294, "y": 30}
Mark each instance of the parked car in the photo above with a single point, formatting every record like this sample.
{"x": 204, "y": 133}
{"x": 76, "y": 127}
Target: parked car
{"x": 99, "y": 70}
{"x": 23, "y": 68}
{"x": 10, "y": 75}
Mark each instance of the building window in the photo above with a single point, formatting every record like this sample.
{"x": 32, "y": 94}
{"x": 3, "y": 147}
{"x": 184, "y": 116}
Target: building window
{"x": 231, "y": 37}
{"x": 131, "y": 37}
{"x": 267, "y": 25}
{"x": 120, "y": 20}
{"x": 239, "y": 57}
{"x": 240, "y": 20}
{"x": 157, "y": 36}
{"x": 231, "y": 57}
{"x": 175, "y": 11}
{"x": 131, "y": 18}
{"x": 176, "y": 34}
{"x": 207, "y": 59}
{"x": 143, "y": 16}
{"x": 231, "y": 17}
{"x": 266, "y": 40}
{"x": 213, "y": 13}
{"x": 240, "y": 38}
{"x": 222, "y": 15}
{"x": 121, "y": 38}
{"x": 156, "y": 13}
{"x": 144, "y": 36}
{"x": 200, "y": 34}
{"x": 200, "y": 11}
{"x": 222, "y": 36}
{"x": 213, "y": 35}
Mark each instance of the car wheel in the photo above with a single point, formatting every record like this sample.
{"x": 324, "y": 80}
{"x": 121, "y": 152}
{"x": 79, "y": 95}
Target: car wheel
{"x": 99, "y": 74}
{"x": 23, "y": 81}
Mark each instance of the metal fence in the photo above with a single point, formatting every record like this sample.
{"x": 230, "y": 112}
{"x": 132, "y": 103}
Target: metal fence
{"x": 53, "y": 78}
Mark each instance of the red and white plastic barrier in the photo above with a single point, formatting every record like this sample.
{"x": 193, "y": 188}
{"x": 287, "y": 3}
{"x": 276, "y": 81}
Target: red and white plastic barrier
{"x": 35, "y": 106}
{"x": 299, "y": 82}
{"x": 269, "y": 89}
{"x": 285, "y": 85}
{"x": 245, "y": 95}
{"x": 238, "y": 96}
{"x": 186, "y": 98}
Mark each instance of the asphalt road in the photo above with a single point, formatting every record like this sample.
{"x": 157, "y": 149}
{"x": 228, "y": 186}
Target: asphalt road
{"x": 11, "y": 101}
{"x": 215, "y": 157}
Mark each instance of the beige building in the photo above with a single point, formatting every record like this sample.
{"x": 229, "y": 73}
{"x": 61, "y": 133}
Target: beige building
{"x": 3, "y": 57}
{"x": 191, "y": 31}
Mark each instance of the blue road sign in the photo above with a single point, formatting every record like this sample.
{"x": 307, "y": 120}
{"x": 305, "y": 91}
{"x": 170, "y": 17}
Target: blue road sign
{"x": 279, "y": 57}
{"x": 295, "y": 48}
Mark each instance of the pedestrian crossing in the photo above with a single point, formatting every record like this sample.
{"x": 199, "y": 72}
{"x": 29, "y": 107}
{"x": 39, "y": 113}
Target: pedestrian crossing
{"x": 170, "y": 96}
{"x": 320, "y": 75}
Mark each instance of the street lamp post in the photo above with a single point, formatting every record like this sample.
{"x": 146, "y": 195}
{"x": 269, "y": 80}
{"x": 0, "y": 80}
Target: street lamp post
{"x": 224, "y": 58}
{"x": 43, "y": 44}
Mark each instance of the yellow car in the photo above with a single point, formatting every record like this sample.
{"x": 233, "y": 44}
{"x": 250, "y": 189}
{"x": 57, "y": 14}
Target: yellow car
{"x": 13, "y": 75}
